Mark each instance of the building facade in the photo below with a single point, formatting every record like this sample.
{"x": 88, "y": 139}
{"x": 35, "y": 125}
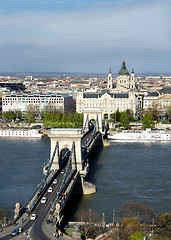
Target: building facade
{"x": 109, "y": 100}
{"x": 38, "y": 103}
{"x": 160, "y": 100}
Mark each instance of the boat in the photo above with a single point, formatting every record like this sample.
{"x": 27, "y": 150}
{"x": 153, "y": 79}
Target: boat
{"x": 20, "y": 133}
{"x": 144, "y": 135}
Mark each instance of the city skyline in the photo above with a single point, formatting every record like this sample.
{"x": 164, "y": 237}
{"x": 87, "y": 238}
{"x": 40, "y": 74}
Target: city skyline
{"x": 85, "y": 36}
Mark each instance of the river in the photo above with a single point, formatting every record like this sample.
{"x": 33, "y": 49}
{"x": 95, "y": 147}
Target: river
{"x": 139, "y": 172}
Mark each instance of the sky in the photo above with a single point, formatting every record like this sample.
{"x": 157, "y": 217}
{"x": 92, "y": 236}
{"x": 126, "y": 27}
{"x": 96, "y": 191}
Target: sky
{"x": 85, "y": 35}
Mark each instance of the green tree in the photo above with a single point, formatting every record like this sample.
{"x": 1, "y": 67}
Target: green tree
{"x": 118, "y": 114}
{"x": 29, "y": 118}
{"x": 128, "y": 227}
{"x": 164, "y": 224}
{"x": 10, "y": 115}
{"x": 131, "y": 114}
{"x": 137, "y": 236}
{"x": 169, "y": 112}
{"x": 113, "y": 116}
{"x": 18, "y": 114}
{"x": 124, "y": 119}
{"x": 147, "y": 121}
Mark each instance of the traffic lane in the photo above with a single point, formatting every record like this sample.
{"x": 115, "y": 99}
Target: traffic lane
{"x": 42, "y": 211}
{"x": 40, "y": 206}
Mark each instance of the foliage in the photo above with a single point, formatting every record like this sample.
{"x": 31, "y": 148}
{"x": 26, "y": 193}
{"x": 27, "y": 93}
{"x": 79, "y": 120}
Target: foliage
{"x": 59, "y": 120}
{"x": 89, "y": 217}
{"x": 147, "y": 121}
{"x": 4, "y": 214}
{"x": 164, "y": 224}
{"x": 161, "y": 237}
{"x": 18, "y": 114}
{"x": 137, "y": 236}
{"x": 29, "y": 118}
{"x": 155, "y": 113}
{"x": 113, "y": 116}
{"x": 128, "y": 227}
{"x": 10, "y": 115}
{"x": 118, "y": 114}
{"x": 131, "y": 114}
{"x": 169, "y": 112}
{"x": 139, "y": 211}
{"x": 124, "y": 119}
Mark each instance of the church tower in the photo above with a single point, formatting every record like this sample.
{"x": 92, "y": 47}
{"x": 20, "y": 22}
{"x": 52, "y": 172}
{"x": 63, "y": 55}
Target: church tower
{"x": 110, "y": 80}
{"x": 132, "y": 80}
{"x": 123, "y": 79}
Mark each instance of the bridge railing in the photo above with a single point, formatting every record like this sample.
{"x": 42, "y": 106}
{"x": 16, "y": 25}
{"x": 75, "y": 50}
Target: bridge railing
{"x": 45, "y": 182}
{"x": 66, "y": 178}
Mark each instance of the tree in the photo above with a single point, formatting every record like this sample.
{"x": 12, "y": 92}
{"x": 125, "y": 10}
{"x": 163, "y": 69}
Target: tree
{"x": 164, "y": 224}
{"x": 4, "y": 215}
{"x": 113, "y": 116}
{"x": 29, "y": 118}
{"x": 128, "y": 227}
{"x": 155, "y": 113}
{"x": 169, "y": 112}
{"x": 118, "y": 114}
{"x": 147, "y": 121}
{"x": 131, "y": 114}
{"x": 89, "y": 218}
{"x": 124, "y": 119}
{"x": 10, "y": 115}
{"x": 18, "y": 114}
{"x": 139, "y": 211}
{"x": 137, "y": 236}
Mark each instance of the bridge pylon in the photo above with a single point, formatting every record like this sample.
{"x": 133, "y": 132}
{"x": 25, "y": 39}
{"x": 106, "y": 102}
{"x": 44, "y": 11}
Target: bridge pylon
{"x": 65, "y": 137}
{"x": 92, "y": 114}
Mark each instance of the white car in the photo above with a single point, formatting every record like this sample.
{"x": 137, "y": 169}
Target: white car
{"x": 55, "y": 181}
{"x": 43, "y": 200}
{"x": 33, "y": 216}
{"x": 62, "y": 172}
{"x": 50, "y": 189}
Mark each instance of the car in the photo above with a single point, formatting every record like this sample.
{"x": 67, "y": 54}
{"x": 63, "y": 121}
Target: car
{"x": 50, "y": 189}
{"x": 15, "y": 232}
{"x": 33, "y": 216}
{"x": 43, "y": 200}
{"x": 55, "y": 181}
{"x": 62, "y": 172}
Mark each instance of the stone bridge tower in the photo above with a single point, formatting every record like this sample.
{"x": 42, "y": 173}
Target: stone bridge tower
{"x": 95, "y": 114}
{"x": 64, "y": 138}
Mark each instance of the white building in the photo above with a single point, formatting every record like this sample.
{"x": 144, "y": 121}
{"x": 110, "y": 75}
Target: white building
{"x": 123, "y": 97}
{"x": 38, "y": 102}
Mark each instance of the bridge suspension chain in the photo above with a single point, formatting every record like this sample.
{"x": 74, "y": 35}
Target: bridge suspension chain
{"x": 66, "y": 178}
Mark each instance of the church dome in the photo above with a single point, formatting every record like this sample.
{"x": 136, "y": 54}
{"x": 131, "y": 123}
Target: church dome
{"x": 123, "y": 70}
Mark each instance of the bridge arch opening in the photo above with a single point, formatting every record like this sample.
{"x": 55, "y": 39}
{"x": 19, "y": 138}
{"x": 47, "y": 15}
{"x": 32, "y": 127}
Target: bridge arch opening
{"x": 63, "y": 156}
{"x": 91, "y": 124}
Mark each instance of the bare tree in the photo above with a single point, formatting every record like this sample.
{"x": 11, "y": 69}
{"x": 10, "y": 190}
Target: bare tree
{"x": 140, "y": 211}
{"x": 91, "y": 221}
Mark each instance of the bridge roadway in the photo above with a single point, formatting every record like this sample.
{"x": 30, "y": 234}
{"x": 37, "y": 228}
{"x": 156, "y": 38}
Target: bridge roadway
{"x": 42, "y": 210}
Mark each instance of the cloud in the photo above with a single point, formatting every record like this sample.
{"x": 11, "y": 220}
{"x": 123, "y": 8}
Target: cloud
{"x": 90, "y": 34}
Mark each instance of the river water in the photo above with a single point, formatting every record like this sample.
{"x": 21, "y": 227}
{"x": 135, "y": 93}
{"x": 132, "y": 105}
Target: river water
{"x": 139, "y": 172}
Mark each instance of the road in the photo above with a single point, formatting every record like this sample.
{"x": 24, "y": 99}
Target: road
{"x": 42, "y": 212}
